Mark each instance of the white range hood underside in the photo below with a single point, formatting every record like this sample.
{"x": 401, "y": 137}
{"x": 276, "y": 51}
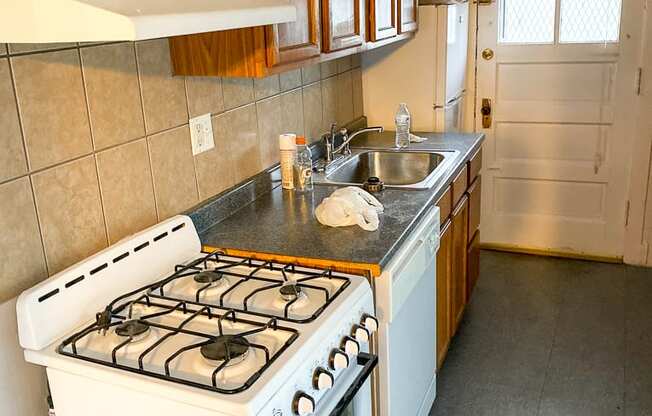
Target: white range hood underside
{"x": 44, "y": 21}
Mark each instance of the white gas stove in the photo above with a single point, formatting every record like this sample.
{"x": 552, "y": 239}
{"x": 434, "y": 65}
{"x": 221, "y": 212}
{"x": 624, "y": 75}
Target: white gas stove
{"x": 152, "y": 325}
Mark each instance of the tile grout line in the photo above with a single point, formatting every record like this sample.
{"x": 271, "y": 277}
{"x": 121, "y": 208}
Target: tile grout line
{"x": 94, "y": 153}
{"x": 147, "y": 137}
{"x": 552, "y": 349}
{"x": 194, "y": 161}
{"x": 28, "y": 165}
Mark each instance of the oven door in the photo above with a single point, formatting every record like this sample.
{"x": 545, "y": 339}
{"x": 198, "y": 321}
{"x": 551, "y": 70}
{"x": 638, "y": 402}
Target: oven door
{"x": 352, "y": 395}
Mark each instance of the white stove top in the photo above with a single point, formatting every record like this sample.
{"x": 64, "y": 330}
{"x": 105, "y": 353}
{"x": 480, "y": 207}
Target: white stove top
{"x": 236, "y": 335}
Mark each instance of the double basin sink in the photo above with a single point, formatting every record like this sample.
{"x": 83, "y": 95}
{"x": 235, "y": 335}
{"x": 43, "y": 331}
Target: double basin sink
{"x": 409, "y": 169}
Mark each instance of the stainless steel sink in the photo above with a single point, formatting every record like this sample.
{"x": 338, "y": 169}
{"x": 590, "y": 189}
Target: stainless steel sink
{"x": 400, "y": 169}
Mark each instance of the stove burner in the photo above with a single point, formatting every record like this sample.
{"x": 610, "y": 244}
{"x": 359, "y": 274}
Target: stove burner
{"x": 226, "y": 347}
{"x": 134, "y": 328}
{"x": 208, "y": 276}
{"x": 290, "y": 291}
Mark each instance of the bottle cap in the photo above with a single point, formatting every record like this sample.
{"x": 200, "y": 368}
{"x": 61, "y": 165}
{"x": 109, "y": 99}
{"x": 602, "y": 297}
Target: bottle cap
{"x": 287, "y": 141}
{"x": 301, "y": 140}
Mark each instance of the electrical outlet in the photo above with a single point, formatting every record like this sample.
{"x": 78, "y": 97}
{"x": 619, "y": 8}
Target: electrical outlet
{"x": 201, "y": 134}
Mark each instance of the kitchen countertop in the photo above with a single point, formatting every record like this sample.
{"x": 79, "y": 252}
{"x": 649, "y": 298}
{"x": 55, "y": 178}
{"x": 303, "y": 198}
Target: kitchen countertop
{"x": 283, "y": 223}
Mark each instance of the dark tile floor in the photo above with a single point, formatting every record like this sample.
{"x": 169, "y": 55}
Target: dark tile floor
{"x": 550, "y": 337}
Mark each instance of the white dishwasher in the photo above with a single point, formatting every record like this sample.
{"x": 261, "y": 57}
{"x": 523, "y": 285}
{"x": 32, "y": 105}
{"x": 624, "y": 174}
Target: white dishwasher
{"x": 406, "y": 309}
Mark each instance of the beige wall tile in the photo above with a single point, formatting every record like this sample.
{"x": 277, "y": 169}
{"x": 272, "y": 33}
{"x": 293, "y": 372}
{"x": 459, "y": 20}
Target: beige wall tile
{"x": 358, "y": 100}
{"x": 243, "y": 142}
{"x": 204, "y": 95}
{"x": 34, "y": 47}
{"x": 52, "y": 106}
{"x": 312, "y": 111}
{"x": 292, "y": 112}
{"x": 70, "y": 212}
{"x": 12, "y": 155}
{"x": 164, "y": 96}
{"x": 266, "y": 87}
{"x": 328, "y": 69}
{"x": 3, "y": 49}
{"x": 310, "y": 74}
{"x": 215, "y": 172}
{"x": 237, "y": 92}
{"x": 344, "y": 98}
{"x": 22, "y": 263}
{"x": 270, "y": 126}
{"x": 290, "y": 80}
{"x": 329, "y": 102}
{"x": 344, "y": 64}
{"x": 113, "y": 94}
{"x": 173, "y": 170}
{"x": 127, "y": 193}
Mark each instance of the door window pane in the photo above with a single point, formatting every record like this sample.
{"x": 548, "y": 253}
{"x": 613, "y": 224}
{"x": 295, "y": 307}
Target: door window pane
{"x": 590, "y": 21}
{"x": 527, "y": 21}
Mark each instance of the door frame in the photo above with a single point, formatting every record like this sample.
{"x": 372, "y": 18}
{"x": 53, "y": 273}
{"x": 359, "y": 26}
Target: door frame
{"x": 635, "y": 143}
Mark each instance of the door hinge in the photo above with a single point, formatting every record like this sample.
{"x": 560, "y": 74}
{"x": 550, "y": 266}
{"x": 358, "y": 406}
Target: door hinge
{"x": 627, "y": 204}
{"x": 639, "y": 81}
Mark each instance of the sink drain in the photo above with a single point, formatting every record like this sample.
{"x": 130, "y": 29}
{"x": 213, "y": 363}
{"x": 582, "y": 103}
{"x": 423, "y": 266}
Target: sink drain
{"x": 373, "y": 184}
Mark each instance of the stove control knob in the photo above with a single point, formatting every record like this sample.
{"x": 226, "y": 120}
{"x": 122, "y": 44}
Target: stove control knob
{"x": 322, "y": 379}
{"x": 360, "y": 333}
{"x": 303, "y": 404}
{"x": 370, "y": 323}
{"x": 338, "y": 360}
{"x": 350, "y": 346}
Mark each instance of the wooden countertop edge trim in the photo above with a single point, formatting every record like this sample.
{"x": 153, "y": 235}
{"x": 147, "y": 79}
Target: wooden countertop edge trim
{"x": 345, "y": 267}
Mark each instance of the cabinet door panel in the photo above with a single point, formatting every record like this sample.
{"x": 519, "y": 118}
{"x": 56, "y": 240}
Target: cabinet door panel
{"x": 382, "y": 19}
{"x": 475, "y": 206}
{"x": 459, "y": 258}
{"x": 443, "y": 292}
{"x": 473, "y": 266}
{"x": 343, "y": 24}
{"x": 295, "y": 41}
{"x": 407, "y": 16}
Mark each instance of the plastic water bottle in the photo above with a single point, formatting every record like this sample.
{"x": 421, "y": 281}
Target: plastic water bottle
{"x": 402, "y": 120}
{"x": 303, "y": 166}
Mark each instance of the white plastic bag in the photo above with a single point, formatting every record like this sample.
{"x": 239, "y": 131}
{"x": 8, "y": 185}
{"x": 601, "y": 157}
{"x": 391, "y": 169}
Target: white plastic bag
{"x": 350, "y": 206}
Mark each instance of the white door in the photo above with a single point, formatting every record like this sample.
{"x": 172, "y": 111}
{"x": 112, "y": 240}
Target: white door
{"x": 555, "y": 159}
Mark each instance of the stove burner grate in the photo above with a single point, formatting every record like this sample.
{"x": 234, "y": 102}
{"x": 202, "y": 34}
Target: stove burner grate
{"x": 231, "y": 348}
{"x": 208, "y": 276}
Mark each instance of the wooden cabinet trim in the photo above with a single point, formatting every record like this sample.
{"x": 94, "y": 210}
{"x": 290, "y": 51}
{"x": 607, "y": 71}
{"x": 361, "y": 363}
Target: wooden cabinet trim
{"x": 459, "y": 262}
{"x": 281, "y": 54}
{"x": 444, "y": 257}
{"x": 475, "y": 165}
{"x": 460, "y": 184}
{"x": 473, "y": 265}
{"x": 475, "y": 206}
{"x": 445, "y": 204}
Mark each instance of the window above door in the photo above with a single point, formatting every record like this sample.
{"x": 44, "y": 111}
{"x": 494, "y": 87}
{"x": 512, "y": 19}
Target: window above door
{"x": 559, "y": 21}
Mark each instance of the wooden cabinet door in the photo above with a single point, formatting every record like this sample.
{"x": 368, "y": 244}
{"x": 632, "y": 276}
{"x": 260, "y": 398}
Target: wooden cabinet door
{"x": 473, "y": 265}
{"x": 443, "y": 292}
{"x": 299, "y": 40}
{"x": 407, "y": 16}
{"x": 475, "y": 206}
{"x": 458, "y": 271}
{"x": 382, "y": 19}
{"x": 343, "y": 24}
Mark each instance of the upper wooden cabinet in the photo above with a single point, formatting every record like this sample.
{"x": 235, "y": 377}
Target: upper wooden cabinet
{"x": 296, "y": 41}
{"x": 344, "y": 24}
{"x": 324, "y": 30}
{"x": 383, "y": 22}
{"x": 407, "y": 16}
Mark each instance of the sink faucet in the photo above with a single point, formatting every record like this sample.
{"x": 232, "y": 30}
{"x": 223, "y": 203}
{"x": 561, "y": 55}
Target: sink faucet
{"x": 344, "y": 148}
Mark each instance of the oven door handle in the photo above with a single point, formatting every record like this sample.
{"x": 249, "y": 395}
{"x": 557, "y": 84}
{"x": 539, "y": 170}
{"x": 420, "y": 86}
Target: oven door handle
{"x": 368, "y": 363}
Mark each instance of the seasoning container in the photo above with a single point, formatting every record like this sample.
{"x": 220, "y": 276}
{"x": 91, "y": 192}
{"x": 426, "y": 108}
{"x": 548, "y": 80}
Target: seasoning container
{"x": 288, "y": 147}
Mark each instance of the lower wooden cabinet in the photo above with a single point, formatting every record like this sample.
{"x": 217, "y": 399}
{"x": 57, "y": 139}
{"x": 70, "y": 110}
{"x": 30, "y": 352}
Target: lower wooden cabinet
{"x": 443, "y": 291}
{"x": 472, "y": 265}
{"x": 460, "y": 220}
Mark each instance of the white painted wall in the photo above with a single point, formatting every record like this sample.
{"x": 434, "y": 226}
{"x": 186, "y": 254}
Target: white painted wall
{"x": 23, "y": 389}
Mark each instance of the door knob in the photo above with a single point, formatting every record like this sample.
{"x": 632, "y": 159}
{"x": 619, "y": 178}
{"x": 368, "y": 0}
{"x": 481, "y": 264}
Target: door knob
{"x": 486, "y": 113}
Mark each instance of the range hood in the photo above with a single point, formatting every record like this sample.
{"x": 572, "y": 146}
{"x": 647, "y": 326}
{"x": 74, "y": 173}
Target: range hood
{"x": 44, "y": 21}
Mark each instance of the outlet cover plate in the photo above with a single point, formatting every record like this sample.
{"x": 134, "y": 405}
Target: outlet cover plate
{"x": 201, "y": 134}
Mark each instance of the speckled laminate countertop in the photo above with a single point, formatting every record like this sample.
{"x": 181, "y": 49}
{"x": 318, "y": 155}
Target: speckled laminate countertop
{"x": 283, "y": 223}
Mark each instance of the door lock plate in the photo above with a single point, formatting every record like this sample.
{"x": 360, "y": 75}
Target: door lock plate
{"x": 486, "y": 113}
